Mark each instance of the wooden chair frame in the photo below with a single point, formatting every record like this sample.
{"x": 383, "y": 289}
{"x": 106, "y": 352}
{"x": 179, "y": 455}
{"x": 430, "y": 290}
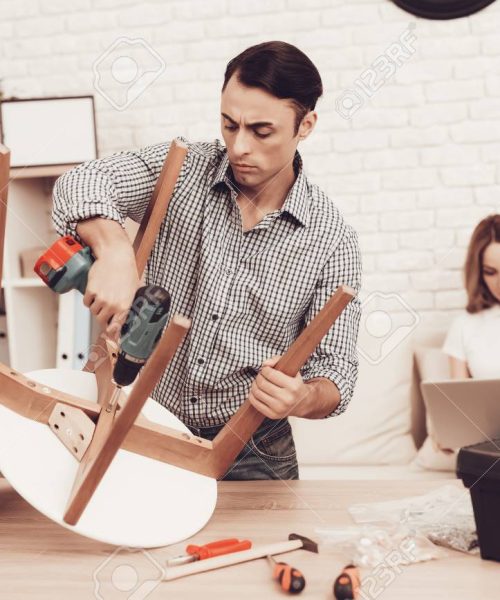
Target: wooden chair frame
{"x": 123, "y": 426}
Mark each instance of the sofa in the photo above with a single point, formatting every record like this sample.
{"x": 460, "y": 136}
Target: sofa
{"x": 383, "y": 432}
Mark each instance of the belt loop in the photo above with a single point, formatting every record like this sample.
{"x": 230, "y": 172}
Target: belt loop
{"x": 194, "y": 430}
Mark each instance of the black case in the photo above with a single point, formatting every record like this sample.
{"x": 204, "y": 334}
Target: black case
{"x": 479, "y": 468}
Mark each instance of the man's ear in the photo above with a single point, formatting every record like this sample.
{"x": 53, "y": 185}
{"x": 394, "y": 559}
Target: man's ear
{"x": 307, "y": 124}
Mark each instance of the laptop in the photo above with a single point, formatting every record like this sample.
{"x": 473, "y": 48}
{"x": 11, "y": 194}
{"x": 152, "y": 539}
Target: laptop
{"x": 463, "y": 411}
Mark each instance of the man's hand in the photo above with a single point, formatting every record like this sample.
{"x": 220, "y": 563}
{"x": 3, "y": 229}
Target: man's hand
{"x": 275, "y": 394}
{"x": 113, "y": 278}
{"x": 112, "y": 284}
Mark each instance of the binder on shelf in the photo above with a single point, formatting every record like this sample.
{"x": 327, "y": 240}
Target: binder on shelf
{"x": 4, "y": 346}
{"x": 73, "y": 333}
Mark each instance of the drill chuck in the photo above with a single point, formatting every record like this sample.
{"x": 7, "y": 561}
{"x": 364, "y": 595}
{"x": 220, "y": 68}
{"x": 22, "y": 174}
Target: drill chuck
{"x": 126, "y": 369}
{"x": 141, "y": 332}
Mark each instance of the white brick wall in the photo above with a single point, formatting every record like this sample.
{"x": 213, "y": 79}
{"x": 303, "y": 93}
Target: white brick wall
{"x": 413, "y": 169}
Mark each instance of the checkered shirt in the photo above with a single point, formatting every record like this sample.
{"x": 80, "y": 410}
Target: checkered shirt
{"x": 248, "y": 294}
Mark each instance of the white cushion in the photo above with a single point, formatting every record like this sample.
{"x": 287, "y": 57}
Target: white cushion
{"x": 375, "y": 428}
{"x": 432, "y": 363}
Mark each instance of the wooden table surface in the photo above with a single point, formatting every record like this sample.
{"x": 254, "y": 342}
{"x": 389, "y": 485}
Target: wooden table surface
{"x": 40, "y": 559}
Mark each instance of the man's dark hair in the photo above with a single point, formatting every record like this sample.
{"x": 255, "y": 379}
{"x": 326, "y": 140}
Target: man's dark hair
{"x": 282, "y": 70}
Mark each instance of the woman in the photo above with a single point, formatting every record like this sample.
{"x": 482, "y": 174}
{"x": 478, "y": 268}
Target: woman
{"x": 473, "y": 341}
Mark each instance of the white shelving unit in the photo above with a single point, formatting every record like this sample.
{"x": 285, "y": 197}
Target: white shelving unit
{"x": 31, "y": 307}
{"x": 34, "y": 318}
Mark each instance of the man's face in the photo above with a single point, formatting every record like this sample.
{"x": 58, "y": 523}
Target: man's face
{"x": 258, "y": 130}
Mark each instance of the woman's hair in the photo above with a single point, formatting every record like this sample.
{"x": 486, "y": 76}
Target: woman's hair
{"x": 479, "y": 296}
{"x": 281, "y": 70}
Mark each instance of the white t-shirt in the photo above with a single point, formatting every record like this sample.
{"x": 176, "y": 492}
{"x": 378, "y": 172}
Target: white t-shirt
{"x": 475, "y": 338}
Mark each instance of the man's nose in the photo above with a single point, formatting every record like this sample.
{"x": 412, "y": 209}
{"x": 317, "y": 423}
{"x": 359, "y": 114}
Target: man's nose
{"x": 241, "y": 144}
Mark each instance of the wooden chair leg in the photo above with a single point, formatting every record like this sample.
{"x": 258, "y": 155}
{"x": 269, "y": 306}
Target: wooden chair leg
{"x": 158, "y": 207}
{"x": 102, "y": 358}
{"x": 4, "y": 185}
{"x": 101, "y": 362}
{"x": 239, "y": 429}
{"x": 102, "y": 450}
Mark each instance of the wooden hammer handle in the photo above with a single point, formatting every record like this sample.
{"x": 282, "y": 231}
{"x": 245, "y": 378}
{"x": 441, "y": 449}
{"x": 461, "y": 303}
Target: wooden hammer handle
{"x": 226, "y": 560}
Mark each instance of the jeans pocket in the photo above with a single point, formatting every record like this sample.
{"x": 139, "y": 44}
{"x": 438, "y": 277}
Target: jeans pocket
{"x": 277, "y": 444}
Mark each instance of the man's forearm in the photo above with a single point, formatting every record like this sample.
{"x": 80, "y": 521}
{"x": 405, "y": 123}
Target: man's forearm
{"x": 322, "y": 398}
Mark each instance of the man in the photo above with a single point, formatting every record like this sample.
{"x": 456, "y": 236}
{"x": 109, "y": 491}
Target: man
{"x": 250, "y": 251}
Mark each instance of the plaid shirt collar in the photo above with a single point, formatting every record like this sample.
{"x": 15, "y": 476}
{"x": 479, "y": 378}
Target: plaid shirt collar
{"x": 298, "y": 198}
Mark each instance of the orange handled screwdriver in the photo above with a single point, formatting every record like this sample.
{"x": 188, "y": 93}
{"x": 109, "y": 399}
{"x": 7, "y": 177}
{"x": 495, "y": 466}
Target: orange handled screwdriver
{"x": 290, "y": 579}
{"x": 210, "y": 550}
{"x": 218, "y": 548}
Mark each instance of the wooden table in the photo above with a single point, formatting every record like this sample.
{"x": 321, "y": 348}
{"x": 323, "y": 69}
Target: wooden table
{"x": 42, "y": 560}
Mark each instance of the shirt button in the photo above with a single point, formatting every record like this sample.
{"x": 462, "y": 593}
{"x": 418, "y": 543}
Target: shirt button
{"x": 229, "y": 271}
{"x": 215, "y": 317}
{"x": 194, "y": 399}
{"x": 201, "y": 361}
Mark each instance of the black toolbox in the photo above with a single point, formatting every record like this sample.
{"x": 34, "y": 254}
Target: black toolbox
{"x": 478, "y": 466}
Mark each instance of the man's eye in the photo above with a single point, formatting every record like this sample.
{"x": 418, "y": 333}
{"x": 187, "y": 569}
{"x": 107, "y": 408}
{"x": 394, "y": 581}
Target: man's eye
{"x": 233, "y": 128}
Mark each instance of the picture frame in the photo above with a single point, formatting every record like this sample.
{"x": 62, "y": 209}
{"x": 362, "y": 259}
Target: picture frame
{"x": 49, "y": 131}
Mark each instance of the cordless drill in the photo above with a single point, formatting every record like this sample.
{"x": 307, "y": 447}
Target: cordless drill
{"x": 65, "y": 266}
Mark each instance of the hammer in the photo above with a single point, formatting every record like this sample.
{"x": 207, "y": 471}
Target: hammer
{"x": 295, "y": 542}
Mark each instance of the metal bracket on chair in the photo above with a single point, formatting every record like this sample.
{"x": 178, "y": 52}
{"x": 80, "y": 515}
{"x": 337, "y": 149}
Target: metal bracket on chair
{"x": 73, "y": 427}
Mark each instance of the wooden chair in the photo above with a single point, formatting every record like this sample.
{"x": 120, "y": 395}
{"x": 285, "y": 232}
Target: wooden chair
{"x": 124, "y": 427}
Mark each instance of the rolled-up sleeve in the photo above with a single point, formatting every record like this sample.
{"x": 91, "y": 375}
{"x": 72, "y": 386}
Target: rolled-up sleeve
{"x": 115, "y": 187}
{"x": 336, "y": 356}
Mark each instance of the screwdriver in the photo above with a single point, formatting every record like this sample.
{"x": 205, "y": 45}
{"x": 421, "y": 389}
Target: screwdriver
{"x": 218, "y": 548}
{"x": 290, "y": 579}
{"x": 347, "y": 584}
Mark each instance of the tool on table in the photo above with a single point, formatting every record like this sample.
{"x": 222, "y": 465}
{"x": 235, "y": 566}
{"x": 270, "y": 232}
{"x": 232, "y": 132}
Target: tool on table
{"x": 65, "y": 266}
{"x": 347, "y": 584}
{"x": 295, "y": 542}
{"x": 210, "y": 550}
{"x": 291, "y": 580}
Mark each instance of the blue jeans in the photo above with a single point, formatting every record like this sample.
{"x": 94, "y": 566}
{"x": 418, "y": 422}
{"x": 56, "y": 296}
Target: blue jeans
{"x": 268, "y": 454}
